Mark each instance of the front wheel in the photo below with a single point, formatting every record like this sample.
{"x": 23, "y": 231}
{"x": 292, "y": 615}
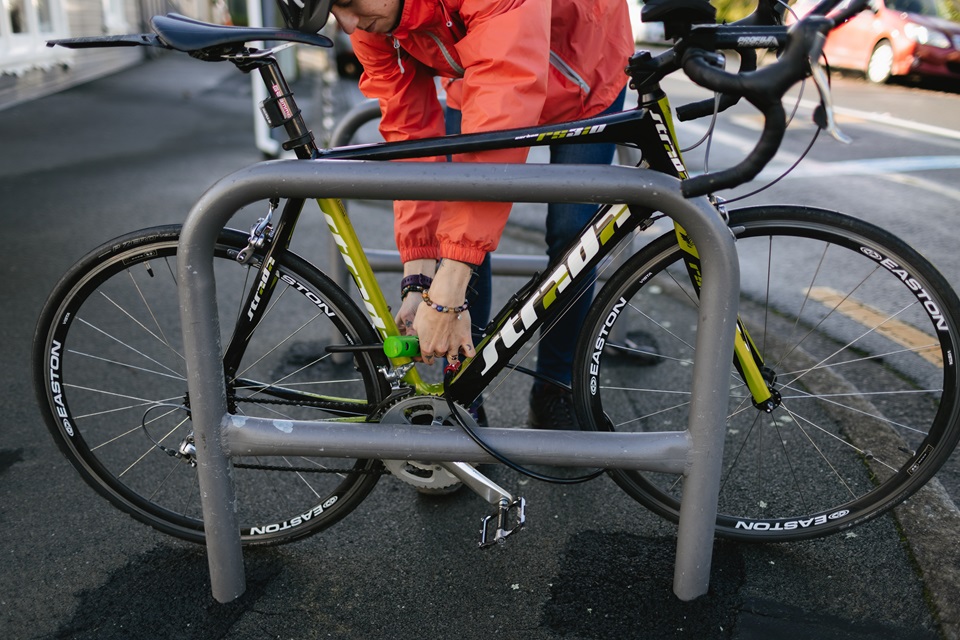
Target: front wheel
{"x": 110, "y": 379}
{"x": 858, "y": 333}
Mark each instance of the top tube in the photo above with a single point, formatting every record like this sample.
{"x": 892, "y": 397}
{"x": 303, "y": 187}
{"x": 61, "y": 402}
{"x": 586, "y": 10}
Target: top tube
{"x": 617, "y": 128}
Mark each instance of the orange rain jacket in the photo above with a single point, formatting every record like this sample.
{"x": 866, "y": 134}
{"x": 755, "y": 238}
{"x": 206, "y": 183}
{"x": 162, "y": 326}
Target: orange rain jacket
{"x": 523, "y": 62}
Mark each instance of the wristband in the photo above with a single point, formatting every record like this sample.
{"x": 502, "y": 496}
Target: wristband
{"x": 417, "y": 282}
{"x": 442, "y": 309}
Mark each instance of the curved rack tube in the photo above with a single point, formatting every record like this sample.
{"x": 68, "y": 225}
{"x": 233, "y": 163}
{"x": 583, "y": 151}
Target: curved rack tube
{"x": 483, "y": 182}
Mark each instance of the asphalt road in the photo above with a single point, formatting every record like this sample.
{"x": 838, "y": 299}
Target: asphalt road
{"x": 137, "y": 149}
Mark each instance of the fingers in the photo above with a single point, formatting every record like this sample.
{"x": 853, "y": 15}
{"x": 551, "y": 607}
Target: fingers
{"x": 434, "y": 353}
{"x": 430, "y": 358}
{"x": 466, "y": 350}
{"x": 406, "y": 315}
{"x": 442, "y": 335}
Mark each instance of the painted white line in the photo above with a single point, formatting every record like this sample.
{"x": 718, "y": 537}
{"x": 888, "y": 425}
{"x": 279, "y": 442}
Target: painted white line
{"x": 870, "y": 116}
{"x": 874, "y": 166}
{"x": 887, "y": 119}
{"x": 892, "y": 169}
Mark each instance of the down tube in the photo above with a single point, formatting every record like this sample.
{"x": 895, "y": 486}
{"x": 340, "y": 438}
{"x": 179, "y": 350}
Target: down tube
{"x": 359, "y": 267}
{"x": 549, "y": 295}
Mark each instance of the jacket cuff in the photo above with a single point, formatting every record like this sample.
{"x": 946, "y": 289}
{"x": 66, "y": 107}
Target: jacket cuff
{"x": 460, "y": 253}
{"x": 431, "y": 252}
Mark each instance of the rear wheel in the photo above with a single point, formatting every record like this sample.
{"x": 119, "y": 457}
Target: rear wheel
{"x": 858, "y": 332}
{"x": 110, "y": 379}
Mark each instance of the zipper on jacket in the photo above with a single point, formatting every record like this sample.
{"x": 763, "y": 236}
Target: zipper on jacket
{"x": 396, "y": 46}
{"x": 446, "y": 54}
{"x": 568, "y": 71}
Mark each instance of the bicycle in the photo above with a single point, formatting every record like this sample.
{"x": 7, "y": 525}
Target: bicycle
{"x": 298, "y": 346}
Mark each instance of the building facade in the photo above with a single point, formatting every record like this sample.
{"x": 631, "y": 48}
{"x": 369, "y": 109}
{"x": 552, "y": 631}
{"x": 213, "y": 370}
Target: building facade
{"x": 30, "y": 69}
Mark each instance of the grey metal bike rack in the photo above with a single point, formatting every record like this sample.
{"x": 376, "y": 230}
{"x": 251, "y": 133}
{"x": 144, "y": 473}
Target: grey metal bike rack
{"x": 695, "y": 452}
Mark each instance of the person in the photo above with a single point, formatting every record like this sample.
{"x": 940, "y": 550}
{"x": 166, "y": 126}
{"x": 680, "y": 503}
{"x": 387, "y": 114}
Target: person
{"x": 516, "y": 63}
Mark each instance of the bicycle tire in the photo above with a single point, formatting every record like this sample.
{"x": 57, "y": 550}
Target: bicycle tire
{"x": 861, "y": 332}
{"x": 110, "y": 380}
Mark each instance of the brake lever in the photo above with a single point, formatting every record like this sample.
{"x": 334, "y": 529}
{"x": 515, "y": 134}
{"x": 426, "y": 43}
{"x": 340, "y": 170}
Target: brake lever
{"x": 823, "y": 116}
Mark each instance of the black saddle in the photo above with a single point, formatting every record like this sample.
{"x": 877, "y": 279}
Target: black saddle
{"x": 174, "y": 31}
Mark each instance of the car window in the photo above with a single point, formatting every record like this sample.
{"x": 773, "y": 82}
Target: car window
{"x": 923, "y": 7}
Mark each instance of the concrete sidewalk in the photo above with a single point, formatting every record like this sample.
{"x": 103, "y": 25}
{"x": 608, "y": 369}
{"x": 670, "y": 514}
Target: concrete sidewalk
{"x": 137, "y": 149}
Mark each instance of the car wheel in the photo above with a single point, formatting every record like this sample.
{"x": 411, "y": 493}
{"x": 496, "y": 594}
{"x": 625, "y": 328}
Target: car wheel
{"x": 880, "y": 67}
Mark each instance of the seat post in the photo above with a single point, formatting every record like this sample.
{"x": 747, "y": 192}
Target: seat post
{"x": 280, "y": 109}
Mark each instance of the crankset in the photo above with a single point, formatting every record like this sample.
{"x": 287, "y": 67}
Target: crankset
{"x": 426, "y": 477}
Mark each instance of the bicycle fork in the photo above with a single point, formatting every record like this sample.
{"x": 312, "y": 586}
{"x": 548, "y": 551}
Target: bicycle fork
{"x": 668, "y": 159}
{"x": 747, "y": 359}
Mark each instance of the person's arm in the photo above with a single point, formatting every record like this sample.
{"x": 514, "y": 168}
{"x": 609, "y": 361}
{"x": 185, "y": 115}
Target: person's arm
{"x": 409, "y": 109}
{"x": 506, "y": 56}
{"x": 505, "y": 53}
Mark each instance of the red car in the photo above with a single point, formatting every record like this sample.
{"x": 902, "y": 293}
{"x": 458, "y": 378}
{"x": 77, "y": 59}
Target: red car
{"x": 899, "y": 38}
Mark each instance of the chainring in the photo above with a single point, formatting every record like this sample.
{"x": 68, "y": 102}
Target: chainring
{"x": 425, "y": 476}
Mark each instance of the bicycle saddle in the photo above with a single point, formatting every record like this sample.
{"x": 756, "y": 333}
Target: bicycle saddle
{"x": 678, "y": 16}
{"x": 188, "y": 35}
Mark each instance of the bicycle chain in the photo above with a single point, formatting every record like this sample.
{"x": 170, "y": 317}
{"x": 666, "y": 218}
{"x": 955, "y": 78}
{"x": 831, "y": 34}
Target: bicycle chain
{"x": 320, "y": 404}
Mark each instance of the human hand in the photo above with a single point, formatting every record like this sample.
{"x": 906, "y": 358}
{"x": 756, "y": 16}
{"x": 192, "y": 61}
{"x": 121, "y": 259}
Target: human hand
{"x": 408, "y": 311}
{"x": 443, "y": 334}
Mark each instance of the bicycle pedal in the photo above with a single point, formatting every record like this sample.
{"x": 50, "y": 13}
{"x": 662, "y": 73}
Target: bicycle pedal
{"x": 508, "y": 513}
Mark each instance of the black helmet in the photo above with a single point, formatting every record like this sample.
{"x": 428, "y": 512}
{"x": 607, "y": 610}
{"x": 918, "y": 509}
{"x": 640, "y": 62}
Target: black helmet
{"x": 308, "y": 16}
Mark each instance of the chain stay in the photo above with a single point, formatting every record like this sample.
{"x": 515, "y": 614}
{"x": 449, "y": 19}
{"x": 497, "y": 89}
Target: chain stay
{"x": 346, "y": 407}
{"x": 321, "y": 404}
{"x": 267, "y": 467}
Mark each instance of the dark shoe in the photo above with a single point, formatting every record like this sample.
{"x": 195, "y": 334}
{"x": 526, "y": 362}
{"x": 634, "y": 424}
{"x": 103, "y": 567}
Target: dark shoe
{"x": 552, "y": 408}
{"x": 639, "y": 346}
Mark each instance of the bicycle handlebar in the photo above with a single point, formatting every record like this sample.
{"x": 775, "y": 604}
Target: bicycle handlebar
{"x": 767, "y": 13}
{"x": 763, "y": 88}
{"x": 707, "y": 107}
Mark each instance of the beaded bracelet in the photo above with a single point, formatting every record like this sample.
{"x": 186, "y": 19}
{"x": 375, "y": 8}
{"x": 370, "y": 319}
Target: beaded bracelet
{"x": 417, "y": 282}
{"x": 442, "y": 309}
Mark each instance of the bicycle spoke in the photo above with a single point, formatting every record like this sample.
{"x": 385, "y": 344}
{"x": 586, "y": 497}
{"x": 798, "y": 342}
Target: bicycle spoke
{"x": 127, "y": 346}
{"x": 146, "y": 304}
{"x": 825, "y": 459}
{"x": 280, "y": 344}
{"x": 136, "y": 429}
{"x": 126, "y": 365}
{"x": 851, "y": 348}
{"x": 665, "y": 330}
{"x": 122, "y": 404}
{"x": 828, "y": 399}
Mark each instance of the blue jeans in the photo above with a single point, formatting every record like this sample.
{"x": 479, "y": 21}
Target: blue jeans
{"x": 564, "y": 223}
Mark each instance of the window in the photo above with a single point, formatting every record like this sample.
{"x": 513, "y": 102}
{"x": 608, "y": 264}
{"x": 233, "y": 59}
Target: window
{"x": 25, "y": 26}
{"x": 114, "y": 18}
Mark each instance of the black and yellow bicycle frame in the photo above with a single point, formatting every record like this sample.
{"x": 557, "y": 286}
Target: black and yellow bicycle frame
{"x": 648, "y": 127}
